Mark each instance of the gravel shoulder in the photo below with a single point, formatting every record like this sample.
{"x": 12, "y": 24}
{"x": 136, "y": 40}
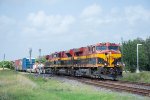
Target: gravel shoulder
{"x": 82, "y": 86}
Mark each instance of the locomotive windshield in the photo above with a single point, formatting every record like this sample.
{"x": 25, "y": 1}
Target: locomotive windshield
{"x": 113, "y": 47}
{"x": 101, "y": 47}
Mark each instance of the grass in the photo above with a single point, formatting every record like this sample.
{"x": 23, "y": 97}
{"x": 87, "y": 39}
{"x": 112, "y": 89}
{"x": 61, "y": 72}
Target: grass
{"x": 137, "y": 77}
{"x": 17, "y": 86}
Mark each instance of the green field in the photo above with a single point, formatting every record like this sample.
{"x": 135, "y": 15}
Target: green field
{"x": 17, "y": 86}
{"x": 137, "y": 77}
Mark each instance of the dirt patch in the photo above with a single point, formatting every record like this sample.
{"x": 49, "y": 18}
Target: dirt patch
{"x": 4, "y": 69}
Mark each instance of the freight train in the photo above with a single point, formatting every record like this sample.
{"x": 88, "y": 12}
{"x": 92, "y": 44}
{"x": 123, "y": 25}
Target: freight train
{"x": 101, "y": 60}
{"x": 24, "y": 64}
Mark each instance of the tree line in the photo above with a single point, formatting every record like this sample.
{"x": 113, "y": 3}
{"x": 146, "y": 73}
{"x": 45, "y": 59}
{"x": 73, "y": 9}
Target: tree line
{"x": 7, "y": 64}
{"x": 129, "y": 54}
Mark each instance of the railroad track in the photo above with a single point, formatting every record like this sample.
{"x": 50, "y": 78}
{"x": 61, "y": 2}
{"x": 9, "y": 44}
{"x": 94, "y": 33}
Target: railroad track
{"x": 130, "y": 87}
{"x": 137, "y": 83}
{"x": 132, "y": 84}
{"x": 136, "y": 88}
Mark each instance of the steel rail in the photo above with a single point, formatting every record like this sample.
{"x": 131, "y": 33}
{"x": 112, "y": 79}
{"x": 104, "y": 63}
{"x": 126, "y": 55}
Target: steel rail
{"x": 113, "y": 86}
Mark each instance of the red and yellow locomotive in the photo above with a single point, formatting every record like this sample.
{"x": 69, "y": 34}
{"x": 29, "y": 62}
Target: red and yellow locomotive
{"x": 102, "y": 60}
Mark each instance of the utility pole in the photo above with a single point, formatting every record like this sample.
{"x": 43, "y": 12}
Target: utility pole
{"x": 40, "y": 62}
{"x": 30, "y": 54}
{"x": 40, "y": 55}
{"x": 137, "y": 69}
{"x": 3, "y": 61}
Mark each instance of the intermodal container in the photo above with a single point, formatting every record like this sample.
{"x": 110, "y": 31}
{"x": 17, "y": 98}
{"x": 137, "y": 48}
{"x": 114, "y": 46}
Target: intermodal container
{"x": 18, "y": 64}
{"x": 26, "y": 64}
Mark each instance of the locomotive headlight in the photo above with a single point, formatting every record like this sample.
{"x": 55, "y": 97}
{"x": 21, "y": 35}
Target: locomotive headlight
{"x": 117, "y": 63}
{"x": 105, "y": 64}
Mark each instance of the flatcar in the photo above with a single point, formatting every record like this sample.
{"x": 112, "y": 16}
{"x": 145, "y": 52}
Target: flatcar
{"x": 101, "y": 60}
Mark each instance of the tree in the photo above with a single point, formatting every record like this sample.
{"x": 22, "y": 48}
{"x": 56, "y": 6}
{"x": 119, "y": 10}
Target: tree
{"x": 147, "y": 53}
{"x": 42, "y": 60}
{"x": 7, "y": 64}
{"x": 129, "y": 54}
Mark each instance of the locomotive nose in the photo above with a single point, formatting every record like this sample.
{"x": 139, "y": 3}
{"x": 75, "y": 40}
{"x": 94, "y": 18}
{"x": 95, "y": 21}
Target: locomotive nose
{"x": 111, "y": 58}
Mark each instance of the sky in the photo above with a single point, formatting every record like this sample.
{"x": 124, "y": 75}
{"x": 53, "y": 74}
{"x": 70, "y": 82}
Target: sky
{"x": 58, "y": 25}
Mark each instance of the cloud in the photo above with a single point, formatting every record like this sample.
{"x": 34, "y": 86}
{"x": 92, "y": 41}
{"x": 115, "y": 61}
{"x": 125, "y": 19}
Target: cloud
{"x": 49, "y": 2}
{"x": 96, "y": 16}
{"x": 54, "y": 32}
{"x": 134, "y": 14}
{"x": 40, "y": 21}
{"x": 5, "y": 21}
{"x": 7, "y": 27}
{"x": 128, "y": 22}
{"x": 47, "y": 31}
{"x": 130, "y": 15}
{"x": 91, "y": 10}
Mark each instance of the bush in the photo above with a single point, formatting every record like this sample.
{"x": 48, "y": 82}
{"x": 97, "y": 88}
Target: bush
{"x": 7, "y": 64}
{"x": 137, "y": 77}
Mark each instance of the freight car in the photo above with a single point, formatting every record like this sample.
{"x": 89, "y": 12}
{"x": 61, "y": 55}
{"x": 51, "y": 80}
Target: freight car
{"x": 102, "y": 60}
{"x": 24, "y": 64}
